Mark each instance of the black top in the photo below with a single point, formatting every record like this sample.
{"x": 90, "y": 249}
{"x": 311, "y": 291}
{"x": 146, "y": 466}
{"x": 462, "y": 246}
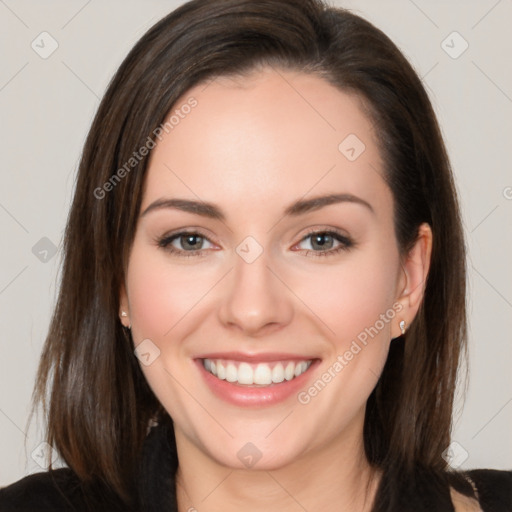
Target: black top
{"x": 61, "y": 490}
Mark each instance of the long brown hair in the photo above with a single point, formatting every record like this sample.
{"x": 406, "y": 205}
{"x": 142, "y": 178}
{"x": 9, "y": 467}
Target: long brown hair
{"x": 96, "y": 399}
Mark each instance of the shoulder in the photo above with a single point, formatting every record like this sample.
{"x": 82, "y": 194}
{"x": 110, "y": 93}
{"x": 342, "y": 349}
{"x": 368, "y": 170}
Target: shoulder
{"x": 494, "y": 488}
{"x": 55, "y": 490}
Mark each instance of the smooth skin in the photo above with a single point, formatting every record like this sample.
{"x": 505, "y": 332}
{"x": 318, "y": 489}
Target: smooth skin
{"x": 252, "y": 147}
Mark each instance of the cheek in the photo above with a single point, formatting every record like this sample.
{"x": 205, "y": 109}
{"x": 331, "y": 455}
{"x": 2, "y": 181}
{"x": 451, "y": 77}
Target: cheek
{"x": 161, "y": 296}
{"x": 162, "y": 293}
{"x": 351, "y": 297}
{"x": 355, "y": 302}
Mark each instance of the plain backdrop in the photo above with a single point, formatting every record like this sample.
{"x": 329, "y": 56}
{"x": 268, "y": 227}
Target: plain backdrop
{"x": 462, "y": 51}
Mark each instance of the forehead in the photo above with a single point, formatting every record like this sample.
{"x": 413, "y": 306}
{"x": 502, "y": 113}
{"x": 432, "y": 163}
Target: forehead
{"x": 271, "y": 134}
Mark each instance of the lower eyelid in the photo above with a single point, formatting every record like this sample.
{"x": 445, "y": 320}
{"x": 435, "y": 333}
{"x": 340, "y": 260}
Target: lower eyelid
{"x": 328, "y": 252}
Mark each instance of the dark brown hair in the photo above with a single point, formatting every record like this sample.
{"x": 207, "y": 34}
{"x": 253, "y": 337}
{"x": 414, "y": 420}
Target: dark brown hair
{"x": 97, "y": 401}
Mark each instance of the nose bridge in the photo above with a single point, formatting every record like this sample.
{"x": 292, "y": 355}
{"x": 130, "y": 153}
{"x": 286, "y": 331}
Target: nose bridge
{"x": 255, "y": 299}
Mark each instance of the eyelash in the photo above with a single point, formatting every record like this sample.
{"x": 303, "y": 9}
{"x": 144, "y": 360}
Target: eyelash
{"x": 165, "y": 243}
{"x": 345, "y": 243}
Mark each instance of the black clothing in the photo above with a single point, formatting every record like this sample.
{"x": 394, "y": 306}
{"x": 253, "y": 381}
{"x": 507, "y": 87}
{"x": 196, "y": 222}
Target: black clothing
{"x": 60, "y": 490}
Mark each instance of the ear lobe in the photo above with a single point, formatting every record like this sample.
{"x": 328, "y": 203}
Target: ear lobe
{"x": 124, "y": 310}
{"x": 415, "y": 268}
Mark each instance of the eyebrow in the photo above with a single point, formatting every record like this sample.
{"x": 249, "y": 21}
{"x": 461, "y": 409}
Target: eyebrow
{"x": 297, "y": 208}
{"x": 187, "y": 205}
{"x": 309, "y": 205}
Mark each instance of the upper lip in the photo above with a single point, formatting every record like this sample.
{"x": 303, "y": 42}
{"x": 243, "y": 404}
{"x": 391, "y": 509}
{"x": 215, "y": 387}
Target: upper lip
{"x": 253, "y": 357}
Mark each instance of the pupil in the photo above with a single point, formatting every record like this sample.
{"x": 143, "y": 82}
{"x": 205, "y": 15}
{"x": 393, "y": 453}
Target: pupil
{"x": 191, "y": 241}
{"x": 322, "y": 241}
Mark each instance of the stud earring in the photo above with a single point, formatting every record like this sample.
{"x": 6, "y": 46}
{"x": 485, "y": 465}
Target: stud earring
{"x": 402, "y": 326}
{"x": 124, "y": 314}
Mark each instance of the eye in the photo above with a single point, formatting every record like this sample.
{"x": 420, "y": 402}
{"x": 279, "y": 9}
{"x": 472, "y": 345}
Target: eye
{"x": 185, "y": 243}
{"x": 323, "y": 243}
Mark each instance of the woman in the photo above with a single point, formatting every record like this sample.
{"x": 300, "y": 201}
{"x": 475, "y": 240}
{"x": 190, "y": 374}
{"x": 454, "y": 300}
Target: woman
{"x": 262, "y": 302}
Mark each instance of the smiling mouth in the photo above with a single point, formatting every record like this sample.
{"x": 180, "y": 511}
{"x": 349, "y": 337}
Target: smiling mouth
{"x": 256, "y": 375}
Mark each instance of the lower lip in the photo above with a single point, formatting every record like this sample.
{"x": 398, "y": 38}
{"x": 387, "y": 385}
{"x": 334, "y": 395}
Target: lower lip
{"x": 245, "y": 396}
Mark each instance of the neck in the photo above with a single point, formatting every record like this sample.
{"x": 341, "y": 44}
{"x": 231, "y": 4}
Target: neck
{"x": 335, "y": 477}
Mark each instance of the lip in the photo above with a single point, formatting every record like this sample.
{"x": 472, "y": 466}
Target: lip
{"x": 264, "y": 357}
{"x": 246, "y": 396}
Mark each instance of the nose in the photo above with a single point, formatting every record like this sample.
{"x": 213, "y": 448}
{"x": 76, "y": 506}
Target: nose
{"x": 255, "y": 301}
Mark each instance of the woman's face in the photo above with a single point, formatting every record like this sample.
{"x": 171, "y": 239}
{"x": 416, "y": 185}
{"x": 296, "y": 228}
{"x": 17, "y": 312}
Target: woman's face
{"x": 289, "y": 262}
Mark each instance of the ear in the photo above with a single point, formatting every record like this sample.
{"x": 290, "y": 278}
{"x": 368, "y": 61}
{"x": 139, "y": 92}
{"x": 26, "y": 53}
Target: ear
{"x": 413, "y": 279}
{"x": 124, "y": 308}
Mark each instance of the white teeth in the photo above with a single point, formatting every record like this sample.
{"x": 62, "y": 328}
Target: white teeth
{"x": 245, "y": 374}
{"x": 221, "y": 371}
{"x": 261, "y": 374}
{"x": 289, "y": 372}
{"x": 231, "y": 373}
{"x": 300, "y": 368}
{"x": 278, "y": 373}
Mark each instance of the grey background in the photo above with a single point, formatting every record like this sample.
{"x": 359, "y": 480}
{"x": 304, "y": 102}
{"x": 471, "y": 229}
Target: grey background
{"x": 46, "y": 107}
